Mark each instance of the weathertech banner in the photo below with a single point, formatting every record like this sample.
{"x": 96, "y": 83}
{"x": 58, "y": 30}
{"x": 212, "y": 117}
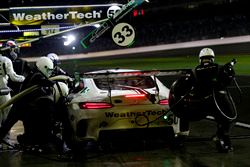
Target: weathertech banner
{"x": 60, "y": 14}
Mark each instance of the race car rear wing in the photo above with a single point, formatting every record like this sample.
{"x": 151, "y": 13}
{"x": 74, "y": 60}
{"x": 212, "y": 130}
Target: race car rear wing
{"x": 110, "y": 74}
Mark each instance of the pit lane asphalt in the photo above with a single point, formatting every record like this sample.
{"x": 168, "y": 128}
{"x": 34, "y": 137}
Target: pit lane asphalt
{"x": 198, "y": 149}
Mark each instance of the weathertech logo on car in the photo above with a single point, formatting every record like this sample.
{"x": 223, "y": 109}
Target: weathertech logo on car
{"x": 58, "y": 16}
{"x": 133, "y": 114}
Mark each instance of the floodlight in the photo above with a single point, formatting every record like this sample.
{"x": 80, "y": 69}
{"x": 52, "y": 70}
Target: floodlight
{"x": 69, "y": 39}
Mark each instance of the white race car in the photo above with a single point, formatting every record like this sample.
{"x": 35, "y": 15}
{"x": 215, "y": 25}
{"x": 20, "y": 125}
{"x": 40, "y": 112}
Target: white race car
{"x": 116, "y": 101}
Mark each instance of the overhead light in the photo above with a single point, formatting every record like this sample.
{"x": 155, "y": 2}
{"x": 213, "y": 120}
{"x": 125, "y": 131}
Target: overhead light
{"x": 97, "y": 25}
{"x": 69, "y": 39}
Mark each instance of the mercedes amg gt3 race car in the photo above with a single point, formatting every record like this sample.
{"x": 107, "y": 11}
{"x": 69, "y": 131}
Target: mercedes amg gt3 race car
{"x": 120, "y": 101}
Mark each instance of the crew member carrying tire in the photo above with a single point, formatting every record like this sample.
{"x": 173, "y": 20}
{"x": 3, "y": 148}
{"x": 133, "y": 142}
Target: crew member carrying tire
{"x": 202, "y": 92}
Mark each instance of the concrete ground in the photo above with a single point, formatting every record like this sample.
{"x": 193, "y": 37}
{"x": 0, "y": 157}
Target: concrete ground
{"x": 198, "y": 151}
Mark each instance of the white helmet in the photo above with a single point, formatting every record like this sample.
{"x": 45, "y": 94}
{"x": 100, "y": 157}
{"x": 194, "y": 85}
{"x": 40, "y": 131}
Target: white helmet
{"x": 60, "y": 90}
{"x": 207, "y": 53}
{"x": 45, "y": 66}
{"x": 54, "y": 58}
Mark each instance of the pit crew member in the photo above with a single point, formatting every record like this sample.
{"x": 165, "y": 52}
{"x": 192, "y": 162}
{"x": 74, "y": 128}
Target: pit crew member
{"x": 57, "y": 71}
{"x": 204, "y": 92}
{"x": 24, "y": 108}
{"x": 21, "y": 67}
{"x": 6, "y": 72}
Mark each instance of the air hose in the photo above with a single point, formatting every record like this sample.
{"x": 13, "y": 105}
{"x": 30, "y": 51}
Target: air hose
{"x": 29, "y": 90}
{"x": 219, "y": 108}
{"x": 18, "y": 96}
{"x": 164, "y": 113}
{"x": 187, "y": 93}
{"x": 231, "y": 100}
{"x": 238, "y": 88}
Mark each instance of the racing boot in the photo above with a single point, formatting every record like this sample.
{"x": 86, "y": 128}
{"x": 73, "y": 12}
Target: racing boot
{"x": 223, "y": 144}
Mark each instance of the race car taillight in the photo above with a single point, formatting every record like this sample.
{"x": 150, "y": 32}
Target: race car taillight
{"x": 163, "y": 102}
{"x": 95, "y": 105}
{"x": 135, "y": 95}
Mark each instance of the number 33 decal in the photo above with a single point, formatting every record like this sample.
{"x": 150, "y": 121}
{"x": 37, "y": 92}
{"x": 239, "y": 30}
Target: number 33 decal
{"x": 123, "y": 34}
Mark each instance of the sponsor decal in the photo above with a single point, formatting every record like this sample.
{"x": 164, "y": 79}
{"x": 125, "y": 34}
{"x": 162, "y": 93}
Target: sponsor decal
{"x": 111, "y": 22}
{"x": 59, "y": 14}
{"x": 133, "y": 114}
{"x": 84, "y": 90}
{"x": 56, "y": 16}
{"x": 123, "y": 34}
{"x": 145, "y": 118}
{"x": 112, "y": 10}
{"x": 49, "y": 29}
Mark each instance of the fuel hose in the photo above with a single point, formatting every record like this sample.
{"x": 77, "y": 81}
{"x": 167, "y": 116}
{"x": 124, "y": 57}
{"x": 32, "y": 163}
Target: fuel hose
{"x": 29, "y": 90}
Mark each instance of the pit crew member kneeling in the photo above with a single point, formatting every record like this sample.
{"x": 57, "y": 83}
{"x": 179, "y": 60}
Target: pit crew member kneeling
{"x": 36, "y": 109}
{"x": 203, "y": 92}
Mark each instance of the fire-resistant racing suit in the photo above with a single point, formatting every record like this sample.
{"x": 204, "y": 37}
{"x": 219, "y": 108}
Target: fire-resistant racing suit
{"x": 204, "y": 92}
{"x": 6, "y": 72}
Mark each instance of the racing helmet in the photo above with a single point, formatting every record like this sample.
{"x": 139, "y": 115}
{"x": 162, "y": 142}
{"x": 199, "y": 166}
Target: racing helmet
{"x": 206, "y": 53}
{"x": 60, "y": 90}
{"x": 54, "y": 58}
{"x": 45, "y": 66}
{"x": 11, "y": 49}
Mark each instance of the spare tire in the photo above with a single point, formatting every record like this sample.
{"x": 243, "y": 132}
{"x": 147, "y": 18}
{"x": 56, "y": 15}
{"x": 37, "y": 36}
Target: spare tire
{"x": 184, "y": 102}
